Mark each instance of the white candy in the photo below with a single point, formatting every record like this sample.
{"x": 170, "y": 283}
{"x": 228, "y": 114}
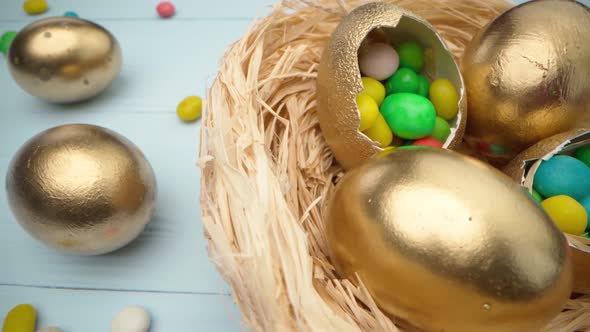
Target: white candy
{"x": 50, "y": 329}
{"x": 131, "y": 319}
{"x": 378, "y": 60}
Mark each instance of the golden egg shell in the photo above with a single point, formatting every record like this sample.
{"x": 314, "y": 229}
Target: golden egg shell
{"x": 527, "y": 77}
{"x": 339, "y": 77}
{"x": 522, "y": 170}
{"x": 64, "y": 59}
{"x": 81, "y": 189}
{"x": 444, "y": 242}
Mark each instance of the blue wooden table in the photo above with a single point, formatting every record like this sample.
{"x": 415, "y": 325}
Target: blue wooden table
{"x": 166, "y": 269}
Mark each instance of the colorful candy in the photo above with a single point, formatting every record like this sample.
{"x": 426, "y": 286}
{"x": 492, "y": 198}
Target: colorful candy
{"x": 374, "y": 89}
{"x": 166, "y": 9}
{"x": 536, "y": 196}
{"x": 563, "y": 175}
{"x": 569, "y": 215}
{"x": 380, "y": 132}
{"x": 411, "y": 55}
{"x": 190, "y": 108}
{"x": 583, "y": 155}
{"x": 21, "y": 318}
{"x": 131, "y": 319}
{"x": 428, "y": 141}
{"x": 378, "y": 60}
{"x": 445, "y": 98}
{"x": 410, "y": 116}
{"x": 423, "y": 86}
{"x": 70, "y": 13}
{"x": 404, "y": 80}
{"x": 35, "y": 7}
{"x": 368, "y": 110}
{"x": 441, "y": 130}
{"x": 6, "y": 40}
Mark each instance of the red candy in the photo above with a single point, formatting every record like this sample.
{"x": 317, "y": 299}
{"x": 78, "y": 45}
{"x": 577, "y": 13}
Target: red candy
{"x": 165, "y": 9}
{"x": 428, "y": 141}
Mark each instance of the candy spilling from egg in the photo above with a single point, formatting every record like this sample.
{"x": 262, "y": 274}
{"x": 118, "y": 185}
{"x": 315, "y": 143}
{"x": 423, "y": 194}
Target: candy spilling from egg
{"x": 399, "y": 104}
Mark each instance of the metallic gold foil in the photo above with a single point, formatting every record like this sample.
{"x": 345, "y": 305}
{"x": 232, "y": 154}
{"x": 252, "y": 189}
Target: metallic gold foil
{"x": 339, "y": 77}
{"x": 526, "y": 76}
{"x": 445, "y": 242}
{"x": 64, "y": 59}
{"x": 81, "y": 189}
{"x": 522, "y": 170}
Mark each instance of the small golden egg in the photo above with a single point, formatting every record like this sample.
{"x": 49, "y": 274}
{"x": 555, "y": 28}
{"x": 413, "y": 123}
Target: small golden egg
{"x": 444, "y": 242}
{"x": 339, "y": 79}
{"x": 522, "y": 170}
{"x": 526, "y": 75}
{"x": 64, "y": 59}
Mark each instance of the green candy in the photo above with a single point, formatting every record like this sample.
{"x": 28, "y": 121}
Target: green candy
{"x": 441, "y": 130}
{"x": 410, "y": 116}
{"x": 411, "y": 55}
{"x": 404, "y": 80}
{"x": 537, "y": 196}
{"x": 423, "y": 86}
{"x": 6, "y": 40}
{"x": 583, "y": 154}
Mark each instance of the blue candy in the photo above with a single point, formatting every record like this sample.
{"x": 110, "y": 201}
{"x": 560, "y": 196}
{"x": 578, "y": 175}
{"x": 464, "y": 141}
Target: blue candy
{"x": 563, "y": 175}
{"x": 70, "y": 14}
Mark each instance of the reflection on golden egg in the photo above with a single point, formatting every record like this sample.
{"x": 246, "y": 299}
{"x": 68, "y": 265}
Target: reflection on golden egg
{"x": 81, "y": 189}
{"x": 444, "y": 242}
{"x": 339, "y": 78}
{"x": 526, "y": 76}
{"x": 522, "y": 170}
{"x": 64, "y": 59}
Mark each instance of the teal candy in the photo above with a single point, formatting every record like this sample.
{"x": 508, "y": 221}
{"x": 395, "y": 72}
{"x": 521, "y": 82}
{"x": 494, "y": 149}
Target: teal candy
{"x": 70, "y": 13}
{"x": 583, "y": 155}
{"x": 403, "y": 80}
{"x": 563, "y": 175}
{"x": 411, "y": 55}
{"x": 410, "y": 116}
{"x": 423, "y": 86}
{"x": 441, "y": 130}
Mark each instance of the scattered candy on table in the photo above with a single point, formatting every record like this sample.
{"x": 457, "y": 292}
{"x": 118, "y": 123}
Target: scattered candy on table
{"x": 70, "y": 13}
{"x": 6, "y": 40}
{"x": 166, "y": 9}
{"x": 190, "y": 108}
{"x": 131, "y": 319}
{"x": 413, "y": 107}
{"x": 35, "y": 7}
{"x": 21, "y": 318}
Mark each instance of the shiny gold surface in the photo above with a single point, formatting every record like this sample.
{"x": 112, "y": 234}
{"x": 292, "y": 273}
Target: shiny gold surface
{"x": 81, "y": 189}
{"x": 447, "y": 243}
{"x": 526, "y": 76}
{"x": 522, "y": 170}
{"x": 339, "y": 78}
{"x": 64, "y": 59}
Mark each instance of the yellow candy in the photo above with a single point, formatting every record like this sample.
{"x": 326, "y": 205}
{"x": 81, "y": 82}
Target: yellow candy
{"x": 35, "y": 7}
{"x": 21, "y": 318}
{"x": 445, "y": 98}
{"x": 368, "y": 109}
{"x": 190, "y": 108}
{"x": 380, "y": 131}
{"x": 569, "y": 215}
{"x": 374, "y": 89}
{"x": 386, "y": 150}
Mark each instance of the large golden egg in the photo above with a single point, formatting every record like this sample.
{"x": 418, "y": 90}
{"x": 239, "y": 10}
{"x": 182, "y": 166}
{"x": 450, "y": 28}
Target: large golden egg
{"x": 81, "y": 189}
{"x": 522, "y": 170}
{"x": 445, "y": 242}
{"x": 64, "y": 59}
{"x": 526, "y": 75}
{"x": 339, "y": 77}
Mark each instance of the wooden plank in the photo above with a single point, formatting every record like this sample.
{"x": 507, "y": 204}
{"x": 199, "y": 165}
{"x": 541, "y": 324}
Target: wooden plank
{"x": 92, "y": 311}
{"x": 140, "y": 9}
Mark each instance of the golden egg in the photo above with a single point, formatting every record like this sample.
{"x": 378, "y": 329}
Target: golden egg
{"x": 339, "y": 78}
{"x": 444, "y": 242}
{"x": 522, "y": 170}
{"x": 526, "y": 76}
{"x": 81, "y": 189}
{"x": 64, "y": 59}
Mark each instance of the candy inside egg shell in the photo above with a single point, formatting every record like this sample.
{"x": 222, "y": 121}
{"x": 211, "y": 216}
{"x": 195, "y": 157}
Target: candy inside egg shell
{"x": 523, "y": 169}
{"x": 339, "y": 76}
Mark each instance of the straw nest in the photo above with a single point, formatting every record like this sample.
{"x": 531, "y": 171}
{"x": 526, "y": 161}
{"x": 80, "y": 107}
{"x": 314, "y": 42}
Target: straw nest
{"x": 267, "y": 170}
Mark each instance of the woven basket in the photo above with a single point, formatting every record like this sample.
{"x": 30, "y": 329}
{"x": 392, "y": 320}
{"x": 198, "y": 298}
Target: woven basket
{"x": 267, "y": 170}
